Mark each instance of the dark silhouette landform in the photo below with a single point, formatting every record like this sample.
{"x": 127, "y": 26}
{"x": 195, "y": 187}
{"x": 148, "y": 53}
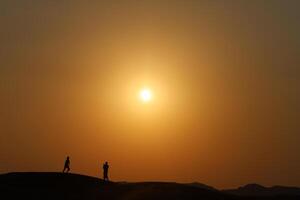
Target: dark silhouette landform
{"x": 63, "y": 186}
{"x": 259, "y": 190}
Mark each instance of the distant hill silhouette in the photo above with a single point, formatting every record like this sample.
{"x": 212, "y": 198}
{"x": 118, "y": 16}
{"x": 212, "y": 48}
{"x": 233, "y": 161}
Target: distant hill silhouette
{"x": 58, "y": 186}
{"x": 201, "y": 185}
{"x": 259, "y": 190}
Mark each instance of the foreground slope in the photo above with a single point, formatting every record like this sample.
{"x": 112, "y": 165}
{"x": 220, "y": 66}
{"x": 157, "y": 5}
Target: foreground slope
{"x": 72, "y": 186}
{"x": 58, "y": 186}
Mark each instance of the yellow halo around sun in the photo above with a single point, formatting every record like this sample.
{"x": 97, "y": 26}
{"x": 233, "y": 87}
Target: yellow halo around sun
{"x": 145, "y": 95}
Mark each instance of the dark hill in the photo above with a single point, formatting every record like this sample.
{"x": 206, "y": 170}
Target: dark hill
{"x": 259, "y": 190}
{"x": 58, "y": 186}
{"x": 73, "y": 186}
{"x": 201, "y": 185}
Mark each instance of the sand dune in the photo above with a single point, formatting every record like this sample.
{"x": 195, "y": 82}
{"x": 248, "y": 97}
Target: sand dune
{"x": 56, "y": 186}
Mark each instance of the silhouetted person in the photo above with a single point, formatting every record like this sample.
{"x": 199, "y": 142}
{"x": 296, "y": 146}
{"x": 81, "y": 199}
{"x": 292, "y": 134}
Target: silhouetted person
{"x": 105, "y": 171}
{"x": 67, "y": 165}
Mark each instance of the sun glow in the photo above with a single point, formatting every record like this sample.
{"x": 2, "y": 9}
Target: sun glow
{"x": 145, "y": 95}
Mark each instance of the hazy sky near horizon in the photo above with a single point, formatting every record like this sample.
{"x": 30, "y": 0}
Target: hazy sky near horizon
{"x": 225, "y": 77}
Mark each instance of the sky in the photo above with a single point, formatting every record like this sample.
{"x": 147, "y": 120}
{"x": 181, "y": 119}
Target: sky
{"x": 224, "y": 75}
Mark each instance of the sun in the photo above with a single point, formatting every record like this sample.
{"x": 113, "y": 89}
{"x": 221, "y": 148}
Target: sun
{"x": 145, "y": 95}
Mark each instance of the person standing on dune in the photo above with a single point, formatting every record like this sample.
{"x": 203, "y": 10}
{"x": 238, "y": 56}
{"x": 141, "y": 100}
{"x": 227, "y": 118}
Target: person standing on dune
{"x": 105, "y": 171}
{"x": 67, "y": 165}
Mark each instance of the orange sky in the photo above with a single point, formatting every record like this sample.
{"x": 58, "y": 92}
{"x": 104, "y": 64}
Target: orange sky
{"x": 224, "y": 75}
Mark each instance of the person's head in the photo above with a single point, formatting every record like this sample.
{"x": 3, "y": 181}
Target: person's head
{"x": 67, "y": 157}
{"x": 106, "y": 163}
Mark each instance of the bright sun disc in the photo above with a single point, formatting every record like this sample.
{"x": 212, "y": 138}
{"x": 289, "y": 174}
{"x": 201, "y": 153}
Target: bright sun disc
{"x": 145, "y": 95}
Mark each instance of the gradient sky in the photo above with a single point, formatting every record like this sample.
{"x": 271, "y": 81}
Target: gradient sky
{"x": 225, "y": 76}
